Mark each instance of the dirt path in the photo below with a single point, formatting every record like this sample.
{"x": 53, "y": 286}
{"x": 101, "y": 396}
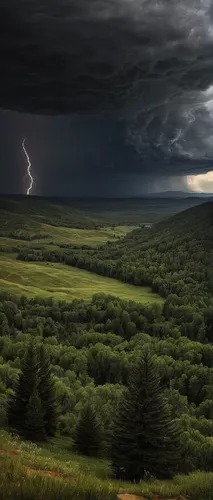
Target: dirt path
{"x": 34, "y": 470}
{"x": 128, "y": 496}
{"x": 9, "y": 452}
{"x": 155, "y": 496}
{"x": 122, "y": 495}
{"x": 51, "y": 473}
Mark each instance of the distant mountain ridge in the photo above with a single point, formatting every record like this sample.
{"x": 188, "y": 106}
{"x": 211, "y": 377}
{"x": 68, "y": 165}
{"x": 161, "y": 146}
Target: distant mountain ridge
{"x": 180, "y": 194}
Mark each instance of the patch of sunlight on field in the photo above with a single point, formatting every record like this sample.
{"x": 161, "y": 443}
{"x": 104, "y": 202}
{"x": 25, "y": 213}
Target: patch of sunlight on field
{"x": 64, "y": 282}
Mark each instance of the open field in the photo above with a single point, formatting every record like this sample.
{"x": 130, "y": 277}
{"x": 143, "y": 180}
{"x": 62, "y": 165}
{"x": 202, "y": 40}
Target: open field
{"x": 64, "y": 282}
{"x": 90, "y": 237}
{"x": 54, "y": 236}
{"x": 54, "y": 471}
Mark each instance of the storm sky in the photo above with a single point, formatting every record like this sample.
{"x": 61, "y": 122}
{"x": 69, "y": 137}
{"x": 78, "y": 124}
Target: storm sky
{"x": 114, "y": 97}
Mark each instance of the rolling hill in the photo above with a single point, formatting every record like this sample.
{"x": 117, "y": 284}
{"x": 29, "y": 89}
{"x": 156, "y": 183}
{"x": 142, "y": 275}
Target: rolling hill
{"x": 174, "y": 257}
{"x": 28, "y": 213}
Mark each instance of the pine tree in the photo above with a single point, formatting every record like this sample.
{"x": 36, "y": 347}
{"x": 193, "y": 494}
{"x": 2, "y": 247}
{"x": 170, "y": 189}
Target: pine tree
{"x": 34, "y": 422}
{"x": 28, "y": 380}
{"x": 88, "y": 438}
{"x": 35, "y": 386}
{"x": 47, "y": 393}
{"x": 144, "y": 439}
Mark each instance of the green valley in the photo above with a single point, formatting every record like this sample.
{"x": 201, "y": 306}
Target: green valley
{"x": 106, "y": 250}
{"x": 104, "y": 331}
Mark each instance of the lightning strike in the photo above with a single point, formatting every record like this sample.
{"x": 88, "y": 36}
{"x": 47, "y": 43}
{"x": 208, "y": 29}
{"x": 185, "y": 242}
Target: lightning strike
{"x": 28, "y": 168}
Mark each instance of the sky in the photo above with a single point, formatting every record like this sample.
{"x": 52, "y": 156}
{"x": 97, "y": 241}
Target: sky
{"x": 113, "y": 97}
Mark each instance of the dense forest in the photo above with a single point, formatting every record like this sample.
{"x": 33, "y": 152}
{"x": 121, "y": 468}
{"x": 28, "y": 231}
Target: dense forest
{"x": 94, "y": 347}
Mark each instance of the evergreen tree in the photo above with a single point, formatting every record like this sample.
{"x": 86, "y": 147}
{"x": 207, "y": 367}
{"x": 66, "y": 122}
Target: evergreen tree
{"x": 144, "y": 439}
{"x": 28, "y": 380}
{"x": 34, "y": 397}
{"x": 88, "y": 437}
{"x": 47, "y": 393}
{"x": 34, "y": 423}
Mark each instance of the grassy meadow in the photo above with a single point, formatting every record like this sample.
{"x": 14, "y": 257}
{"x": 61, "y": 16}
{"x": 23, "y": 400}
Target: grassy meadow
{"x": 63, "y": 282}
{"x": 41, "y": 224}
{"x": 54, "y": 236}
{"x": 92, "y": 237}
{"x": 53, "y": 471}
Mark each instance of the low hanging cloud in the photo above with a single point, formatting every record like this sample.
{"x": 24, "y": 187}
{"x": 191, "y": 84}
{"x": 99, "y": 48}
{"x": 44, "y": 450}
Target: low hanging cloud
{"x": 202, "y": 183}
{"x": 148, "y": 63}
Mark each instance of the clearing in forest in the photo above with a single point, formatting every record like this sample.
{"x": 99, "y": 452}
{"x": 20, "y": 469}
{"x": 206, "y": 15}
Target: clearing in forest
{"x": 64, "y": 282}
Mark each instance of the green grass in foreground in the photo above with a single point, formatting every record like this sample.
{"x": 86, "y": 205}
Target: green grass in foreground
{"x": 68, "y": 476}
{"x": 64, "y": 282}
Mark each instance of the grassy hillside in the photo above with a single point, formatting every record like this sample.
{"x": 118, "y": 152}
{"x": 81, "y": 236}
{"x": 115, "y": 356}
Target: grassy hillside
{"x": 30, "y": 224}
{"x": 64, "y": 282}
{"x": 53, "y": 237}
{"x": 55, "y": 472}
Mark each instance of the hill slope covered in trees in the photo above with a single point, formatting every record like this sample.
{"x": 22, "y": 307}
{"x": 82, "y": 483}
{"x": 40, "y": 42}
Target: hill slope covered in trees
{"x": 174, "y": 257}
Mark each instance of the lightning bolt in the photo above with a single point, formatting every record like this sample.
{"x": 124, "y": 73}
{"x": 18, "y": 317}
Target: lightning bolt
{"x": 28, "y": 168}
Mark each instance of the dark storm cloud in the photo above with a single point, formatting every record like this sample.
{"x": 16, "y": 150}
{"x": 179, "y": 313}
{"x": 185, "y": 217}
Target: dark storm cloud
{"x": 148, "y": 62}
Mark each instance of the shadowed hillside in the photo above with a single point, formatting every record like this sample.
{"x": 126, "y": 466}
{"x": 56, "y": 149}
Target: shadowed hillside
{"x": 27, "y": 213}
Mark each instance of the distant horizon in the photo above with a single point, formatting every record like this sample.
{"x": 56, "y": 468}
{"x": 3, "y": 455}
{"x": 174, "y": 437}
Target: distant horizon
{"x": 162, "y": 194}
